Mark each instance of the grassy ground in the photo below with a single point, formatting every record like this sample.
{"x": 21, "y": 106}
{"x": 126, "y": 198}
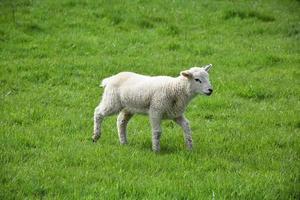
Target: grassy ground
{"x": 53, "y": 54}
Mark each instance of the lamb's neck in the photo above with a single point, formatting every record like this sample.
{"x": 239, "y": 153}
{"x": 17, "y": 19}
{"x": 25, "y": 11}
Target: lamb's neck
{"x": 184, "y": 89}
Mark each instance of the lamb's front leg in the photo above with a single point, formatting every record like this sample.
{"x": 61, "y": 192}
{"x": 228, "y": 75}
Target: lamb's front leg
{"x": 155, "y": 120}
{"x": 184, "y": 123}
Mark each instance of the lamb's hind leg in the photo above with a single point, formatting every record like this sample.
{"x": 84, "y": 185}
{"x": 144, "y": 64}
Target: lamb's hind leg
{"x": 101, "y": 112}
{"x": 122, "y": 121}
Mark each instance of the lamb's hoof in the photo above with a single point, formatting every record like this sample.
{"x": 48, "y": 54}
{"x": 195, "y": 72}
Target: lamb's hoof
{"x": 123, "y": 143}
{"x": 189, "y": 147}
{"x": 156, "y": 150}
{"x": 95, "y": 138}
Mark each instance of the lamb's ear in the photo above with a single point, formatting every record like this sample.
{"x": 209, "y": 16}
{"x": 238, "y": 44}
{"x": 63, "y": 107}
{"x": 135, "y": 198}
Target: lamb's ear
{"x": 186, "y": 74}
{"x": 208, "y": 67}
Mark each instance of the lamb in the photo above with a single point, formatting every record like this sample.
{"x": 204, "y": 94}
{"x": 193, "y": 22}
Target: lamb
{"x": 161, "y": 97}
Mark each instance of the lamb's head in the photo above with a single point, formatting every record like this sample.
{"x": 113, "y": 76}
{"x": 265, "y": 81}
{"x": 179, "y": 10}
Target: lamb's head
{"x": 199, "y": 79}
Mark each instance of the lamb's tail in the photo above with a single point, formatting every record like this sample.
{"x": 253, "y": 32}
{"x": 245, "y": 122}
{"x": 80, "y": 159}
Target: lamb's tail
{"x": 105, "y": 81}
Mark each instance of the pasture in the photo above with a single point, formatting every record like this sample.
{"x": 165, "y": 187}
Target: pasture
{"x": 54, "y": 53}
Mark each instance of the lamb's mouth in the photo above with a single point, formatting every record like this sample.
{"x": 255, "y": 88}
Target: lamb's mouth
{"x": 208, "y": 93}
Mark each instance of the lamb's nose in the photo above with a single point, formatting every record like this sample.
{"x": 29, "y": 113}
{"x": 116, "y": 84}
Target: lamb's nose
{"x": 210, "y": 90}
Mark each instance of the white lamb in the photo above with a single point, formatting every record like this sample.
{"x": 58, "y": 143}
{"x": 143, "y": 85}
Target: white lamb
{"x": 161, "y": 97}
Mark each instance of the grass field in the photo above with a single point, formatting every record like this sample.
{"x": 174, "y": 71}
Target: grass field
{"x": 54, "y": 53}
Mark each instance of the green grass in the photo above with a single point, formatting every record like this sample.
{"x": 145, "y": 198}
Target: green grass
{"x": 54, "y": 53}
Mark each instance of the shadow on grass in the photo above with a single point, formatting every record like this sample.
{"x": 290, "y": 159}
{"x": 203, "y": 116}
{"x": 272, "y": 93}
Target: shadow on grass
{"x": 164, "y": 148}
{"x": 255, "y": 94}
{"x": 248, "y": 15}
{"x": 293, "y": 30}
{"x": 297, "y": 125}
{"x": 145, "y": 24}
{"x": 32, "y": 28}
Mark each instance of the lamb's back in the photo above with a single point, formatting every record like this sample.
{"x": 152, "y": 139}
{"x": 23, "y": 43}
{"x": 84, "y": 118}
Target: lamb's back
{"x": 138, "y": 91}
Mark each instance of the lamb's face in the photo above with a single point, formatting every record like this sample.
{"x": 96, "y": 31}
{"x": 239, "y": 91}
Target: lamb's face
{"x": 199, "y": 79}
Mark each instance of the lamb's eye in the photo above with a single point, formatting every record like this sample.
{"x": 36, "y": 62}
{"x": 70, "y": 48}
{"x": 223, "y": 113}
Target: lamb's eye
{"x": 198, "y": 80}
